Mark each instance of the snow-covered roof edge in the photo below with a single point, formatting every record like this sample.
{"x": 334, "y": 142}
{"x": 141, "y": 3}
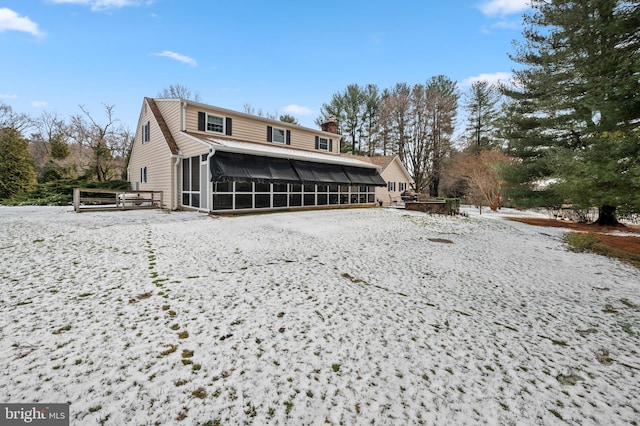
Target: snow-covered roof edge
{"x": 252, "y": 148}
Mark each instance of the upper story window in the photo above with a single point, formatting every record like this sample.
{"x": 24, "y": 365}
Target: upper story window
{"x": 214, "y": 123}
{"x": 146, "y": 132}
{"x": 278, "y": 135}
{"x": 391, "y": 186}
{"x": 324, "y": 144}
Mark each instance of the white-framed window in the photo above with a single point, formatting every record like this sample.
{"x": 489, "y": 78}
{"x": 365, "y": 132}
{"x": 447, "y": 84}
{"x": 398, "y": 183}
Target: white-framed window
{"x": 391, "y": 186}
{"x": 323, "y": 144}
{"x": 278, "y": 135}
{"x": 143, "y": 174}
{"x": 215, "y": 123}
{"x": 146, "y": 132}
{"x": 402, "y": 186}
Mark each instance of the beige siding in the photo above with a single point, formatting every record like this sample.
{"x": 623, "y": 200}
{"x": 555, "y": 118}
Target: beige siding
{"x": 393, "y": 173}
{"x": 155, "y": 155}
{"x": 254, "y": 129}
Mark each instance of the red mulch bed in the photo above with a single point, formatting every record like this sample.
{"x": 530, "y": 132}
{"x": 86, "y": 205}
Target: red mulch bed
{"x": 630, "y": 244}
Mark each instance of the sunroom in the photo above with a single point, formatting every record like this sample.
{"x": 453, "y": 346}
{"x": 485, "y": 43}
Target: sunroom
{"x": 241, "y": 176}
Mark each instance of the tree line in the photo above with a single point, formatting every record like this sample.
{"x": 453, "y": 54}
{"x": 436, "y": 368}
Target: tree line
{"x": 49, "y": 148}
{"x": 565, "y": 130}
{"x": 417, "y": 123}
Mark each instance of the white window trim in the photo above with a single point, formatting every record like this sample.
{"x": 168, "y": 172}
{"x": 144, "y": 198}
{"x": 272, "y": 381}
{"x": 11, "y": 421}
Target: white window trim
{"x": 273, "y": 135}
{"x": 326, "y": 141}
{"x": 224, "y": 124}
{"x": 146, "y": 132}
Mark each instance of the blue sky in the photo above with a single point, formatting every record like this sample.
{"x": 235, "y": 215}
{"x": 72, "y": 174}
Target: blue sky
{"x": 279, "y": 56}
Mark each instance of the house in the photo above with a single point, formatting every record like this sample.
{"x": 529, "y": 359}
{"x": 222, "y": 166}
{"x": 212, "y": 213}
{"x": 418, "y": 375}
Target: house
{"x": 394, "y": 173}
{"x": 212, "y": 159}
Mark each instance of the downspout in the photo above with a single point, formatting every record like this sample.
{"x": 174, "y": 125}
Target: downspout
{"x": 183, "y": 117}
{"x": 176, "y": 180}
{"x": 212, "y": 152}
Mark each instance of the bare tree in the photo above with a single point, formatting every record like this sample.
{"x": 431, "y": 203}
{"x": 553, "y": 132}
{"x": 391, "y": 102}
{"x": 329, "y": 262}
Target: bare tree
{"x": 394, "y": 118}
{"x": 480, "y": 170}
{"x": 104, "y": 140}
{"x": 13, "y": 120}
{"x": 178, "y": 91}
{"x": 442, "y": 98}
{"x": 48, "y": 144}
{"x": 248, "y": 109}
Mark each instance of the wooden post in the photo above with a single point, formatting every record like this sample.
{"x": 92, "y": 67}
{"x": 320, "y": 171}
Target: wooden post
{"x": 76, "y": 199}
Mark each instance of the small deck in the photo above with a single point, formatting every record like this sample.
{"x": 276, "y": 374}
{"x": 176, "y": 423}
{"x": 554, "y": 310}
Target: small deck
{"x": 109, "y": 200}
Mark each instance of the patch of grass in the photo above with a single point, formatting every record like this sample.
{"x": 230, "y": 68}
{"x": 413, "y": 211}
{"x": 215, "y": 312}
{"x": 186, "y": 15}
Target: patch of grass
{"x": 186, "y": 353}
{"x": 200, "y": 393}
{"x": 606, "y": 245}
{"x": 555, "y": 413}
{"x": 353, "y": 279}
{"x": 335, "y": 367}
{"x": 288, "y": 407}
{"x": 171, "y": 349}
{"x": 62, "y": 329}
{"x": 183, "y": 334}
{"x": 180, "y": 382}
{"x": 95, "y": 408}
{"x": 175, "y": 327}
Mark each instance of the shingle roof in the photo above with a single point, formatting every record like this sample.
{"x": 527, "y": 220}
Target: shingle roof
{"x": 381, "y": 161}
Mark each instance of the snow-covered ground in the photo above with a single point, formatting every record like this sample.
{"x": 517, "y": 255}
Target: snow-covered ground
{"x": 360, "y": 316}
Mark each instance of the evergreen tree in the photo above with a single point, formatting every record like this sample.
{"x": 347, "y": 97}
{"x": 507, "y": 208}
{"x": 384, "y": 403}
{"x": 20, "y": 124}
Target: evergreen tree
{"x": 576, "y": 106}
{"x": 480, "y": 104}
{"x": 16, "y": 168}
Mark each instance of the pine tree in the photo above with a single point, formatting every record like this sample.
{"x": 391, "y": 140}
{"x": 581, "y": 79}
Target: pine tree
{"x": 576, "y": 108}
{"x": 480, "y": 104}
{"x": 16, "y": 168}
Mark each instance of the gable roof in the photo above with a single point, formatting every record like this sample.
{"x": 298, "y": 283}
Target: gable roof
{"x": 381, "y": 161}
{"x": 173, "y": 146}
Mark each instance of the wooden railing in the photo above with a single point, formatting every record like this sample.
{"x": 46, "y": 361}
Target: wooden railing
{"x": 110, "y": 199}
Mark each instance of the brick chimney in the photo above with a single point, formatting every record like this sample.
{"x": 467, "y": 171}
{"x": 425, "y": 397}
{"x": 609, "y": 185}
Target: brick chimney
{"x": 330, "y": 125}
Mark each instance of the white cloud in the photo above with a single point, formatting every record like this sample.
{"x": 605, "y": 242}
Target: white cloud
{"x": 503, "y": 7}
{"x": 178, "y": 57}
{"x": 497, "y": 77}
{"x": 10, "y": 20}
{"x": 297, "y": 109}
{"x": 39, "y": 104}
{"x": 5, "y": 96}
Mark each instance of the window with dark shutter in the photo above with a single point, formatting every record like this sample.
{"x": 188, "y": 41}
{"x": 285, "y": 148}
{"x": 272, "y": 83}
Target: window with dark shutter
{"x": 331, "y": 145}
{"x": 201, "y": 121}
{"x": 228, "y": 127}
{"x": 288, "y": 137}
{"x": 317, "y": 142}
{"x": 269, "y": 134}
